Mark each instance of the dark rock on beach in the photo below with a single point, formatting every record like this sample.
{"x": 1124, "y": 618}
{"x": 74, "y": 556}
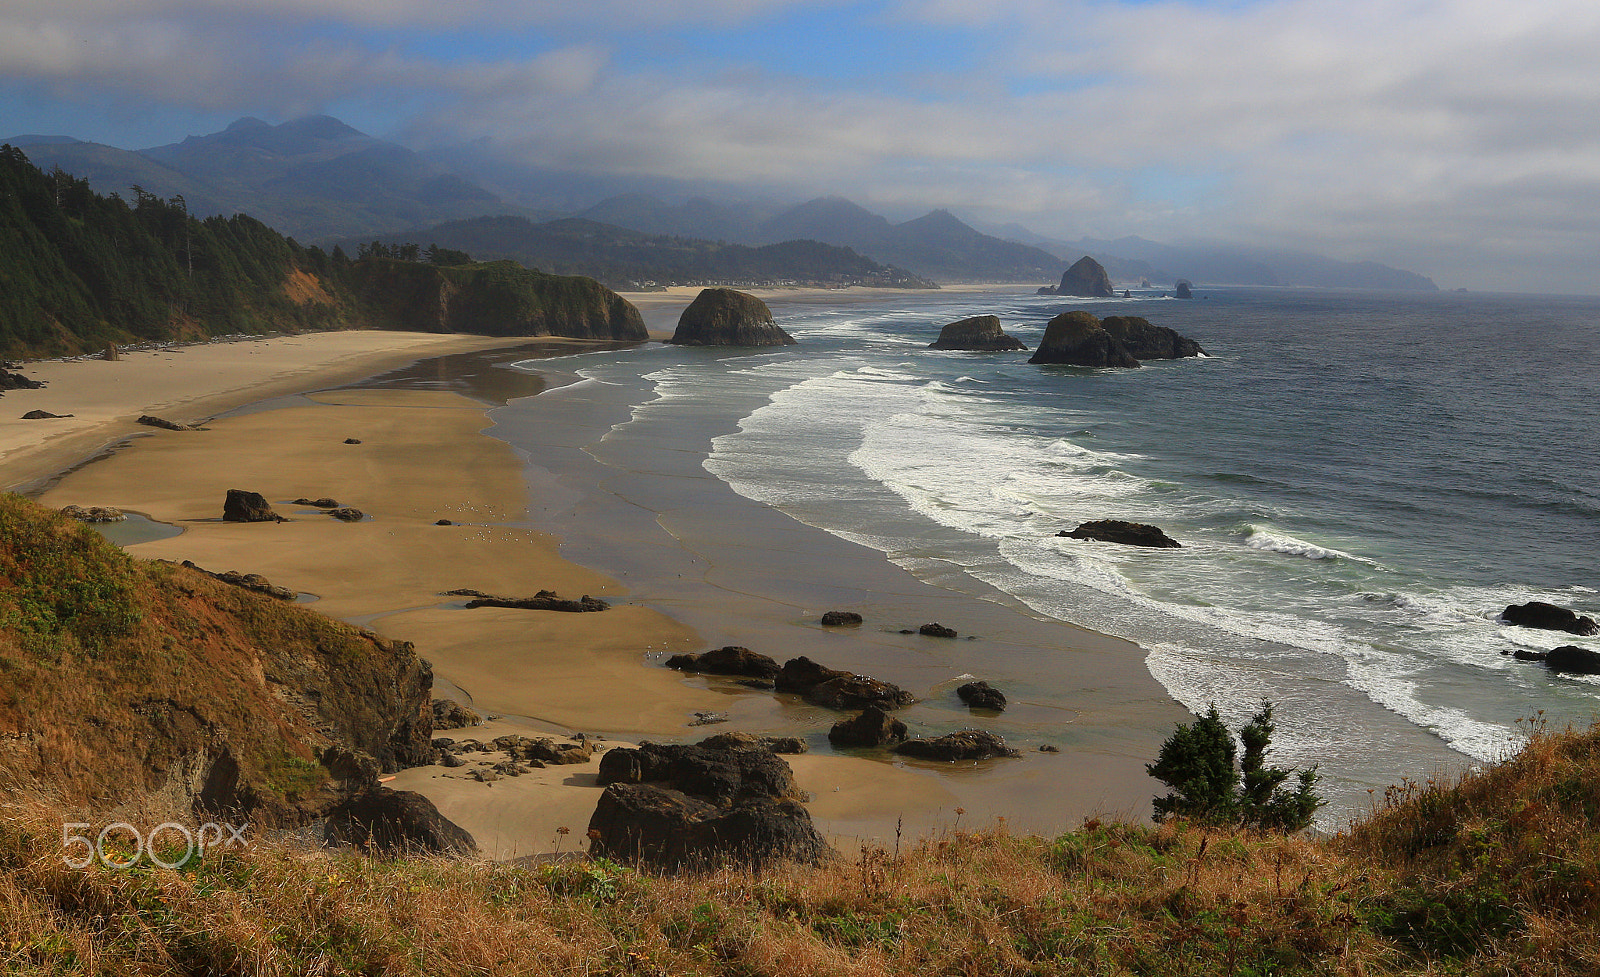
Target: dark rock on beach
{"x": 381, "y": 821}
{"x": 841, "y": 619}
{"x": 42, "y": 415}
{"x": 1077, "y": 339}
{"x": 1086, "y": 278}
{"x": 982, "y": 695}
{"x": 729, "y": 660}
{"x": 322, "y": 503}
{"x": 544, "y": 600}
{"x": 724, "y": 317}
{"x": 16, "y": 381}
{"x": 981, "y": 333}
{"x": 1126, "y": 533}
{"x": 750, "y": 741}
{"x": 243, "y": 506}
{"x": 872, "y": 727}
{"x": 672, "y": 807}
{"x": 352, "y": 440}
{"x": 667, "y": 830}
{"x": 247, "y": 581}
{"x": 149, "y": 420}
{"x": 444, "y": 522}
{"x": 1149, "y": 342}
{"x": 967, "y": 744}
{"x": 1549, "y": 617}
{"x": 347, "y": 513}
{"x": 936, "y": 630}
{"x": 449, "y": 714}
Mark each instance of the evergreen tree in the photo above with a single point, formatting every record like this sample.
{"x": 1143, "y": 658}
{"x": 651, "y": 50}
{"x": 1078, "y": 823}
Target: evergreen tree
{"x": 1198, "y": 763}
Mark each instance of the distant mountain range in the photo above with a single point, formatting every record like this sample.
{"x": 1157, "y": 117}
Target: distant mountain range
{"x": 320, "y": 181}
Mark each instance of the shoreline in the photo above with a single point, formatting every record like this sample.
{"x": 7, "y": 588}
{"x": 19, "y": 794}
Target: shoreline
{"x": 590, "y": 663}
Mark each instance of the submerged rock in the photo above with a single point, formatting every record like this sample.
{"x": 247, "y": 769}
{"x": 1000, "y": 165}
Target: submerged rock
{"x": 1126, "y": 533}
{"x": 1077, "y": 339}
{"x": 838, "y": 689}
{"x": 724, "y": 317}
{"x": 967, "y": 744}
{"x": 982, "y": 695}
{"x": 981, "y": 333}
{"x": 937, "y": 630}
{"x": 841, "y": 619}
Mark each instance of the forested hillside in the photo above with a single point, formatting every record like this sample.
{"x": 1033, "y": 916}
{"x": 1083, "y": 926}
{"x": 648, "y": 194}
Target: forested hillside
{"x": 79, "y": 271}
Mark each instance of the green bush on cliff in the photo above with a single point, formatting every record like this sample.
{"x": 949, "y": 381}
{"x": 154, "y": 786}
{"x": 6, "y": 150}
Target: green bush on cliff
{"x": 1199, "y": 763}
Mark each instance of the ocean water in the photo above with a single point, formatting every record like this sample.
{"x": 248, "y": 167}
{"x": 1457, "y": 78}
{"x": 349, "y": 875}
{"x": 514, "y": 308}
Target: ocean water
{"x": 1361, "y": 483}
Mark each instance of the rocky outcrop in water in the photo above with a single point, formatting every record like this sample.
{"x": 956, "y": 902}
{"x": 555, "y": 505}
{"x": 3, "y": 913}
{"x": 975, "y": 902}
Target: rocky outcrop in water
{"x": 729, "y": 660}
{"x": 981, "y": 333}
{"x": 872, "y": 727}
{"x": 837, "y": 689}
{"x": 967, "y": 744}
{"x": 1549, "y": 617}
{"x": 1184, "y": 290}
{"x": 841, "y": 619}
{"x": 724, "y": 317}
{"x": 1077, "y": 339}
{"x": 982, "y": 695}
{"x": 1572, "y": 659}
{"x": 1126, "y": 533}
{"x": 1149, "y": 342}
{"x": 1086, "y": 278}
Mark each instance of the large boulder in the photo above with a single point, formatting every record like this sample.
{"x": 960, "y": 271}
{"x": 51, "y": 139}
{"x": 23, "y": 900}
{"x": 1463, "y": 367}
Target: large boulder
{"x": 718, "y": 776}
{"x": 1549, "y": 617}
{"x": 396, "y": 822}
{"x": 802, "y": 675}
{"x": 858, "y": 692}
{"x": 1571, "y": 658}
{"x": 1126, "y": 533}
{"x": 729, "y": 660}
{"x": 667, "y": 830}
{"x": 1077, "y": 339}
{"x": 1184, "y": 290}
{"x": 966, "y": 744}
{"x": 980, "y": 333}
{"x": 872, "y": 727}
{"x": 1149, "y": 342}
{"x": 724, "y": 317}
{"x": 243, "y": 506}
{"x": 1086, "y": 278}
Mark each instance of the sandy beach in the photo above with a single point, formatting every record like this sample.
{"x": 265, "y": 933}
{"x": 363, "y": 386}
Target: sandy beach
{"x": 422, "y": 457}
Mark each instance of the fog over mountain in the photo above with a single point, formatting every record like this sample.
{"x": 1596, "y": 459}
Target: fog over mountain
{"x": 318, "y": 179}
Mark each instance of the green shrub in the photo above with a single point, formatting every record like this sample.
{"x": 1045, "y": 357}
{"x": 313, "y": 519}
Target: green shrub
{"x": 1212, "y": 784}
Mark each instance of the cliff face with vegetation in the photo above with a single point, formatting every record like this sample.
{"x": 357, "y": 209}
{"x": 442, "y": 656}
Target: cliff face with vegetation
{"x": 131, "y": 682}
{"x": 79, "y": 271}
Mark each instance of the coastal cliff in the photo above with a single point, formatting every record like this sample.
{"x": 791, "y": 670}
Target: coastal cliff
{"x": 155, "y": 686}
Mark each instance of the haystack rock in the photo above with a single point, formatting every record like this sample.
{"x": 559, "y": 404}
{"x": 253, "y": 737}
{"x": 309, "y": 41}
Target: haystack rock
{"x": 1184, "y": 290}
{"x": 724, "y": 317}
{"x": 980, "y": 333}
{"x": 1087, "y": 278}
{"x": 1078, "y": 339}
{"x": 1149, "y": 342}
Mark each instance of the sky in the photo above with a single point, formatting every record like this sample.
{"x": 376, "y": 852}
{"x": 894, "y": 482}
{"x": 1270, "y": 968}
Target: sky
{"x": 1456, "y": 138}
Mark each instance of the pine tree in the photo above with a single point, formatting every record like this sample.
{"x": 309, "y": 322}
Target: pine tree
{"x": 1198, "y": 763}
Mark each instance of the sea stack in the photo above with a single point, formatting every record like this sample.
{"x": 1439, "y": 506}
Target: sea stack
{"x": 980, "y": 333}
{"x": 724, "y": 317}
{"x": 1086, "y": 278}
{"x": 1184, "y": 290}
{"x": 1077, "y": 339}
{"x": 1149, "y": 342}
